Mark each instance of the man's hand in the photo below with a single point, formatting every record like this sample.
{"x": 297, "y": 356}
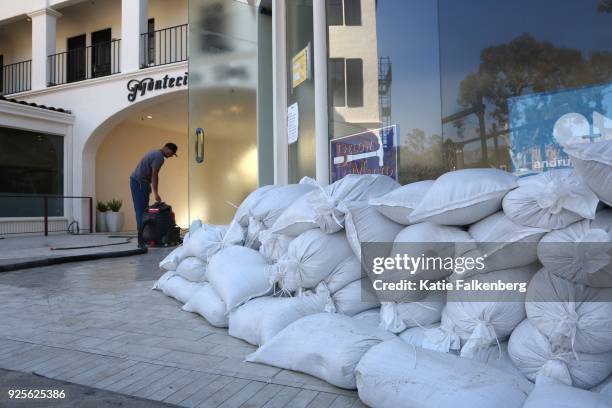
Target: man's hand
{"x": 157, "y": 198}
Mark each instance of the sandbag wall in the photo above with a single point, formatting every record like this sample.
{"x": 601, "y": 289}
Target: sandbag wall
{"x": 285, "y": 275}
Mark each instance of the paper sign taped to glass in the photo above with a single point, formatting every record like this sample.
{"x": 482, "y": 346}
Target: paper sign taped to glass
{"x": 542, "y": 123}
{"x": 300, "y": 67}
{"x": 371, "y": 152}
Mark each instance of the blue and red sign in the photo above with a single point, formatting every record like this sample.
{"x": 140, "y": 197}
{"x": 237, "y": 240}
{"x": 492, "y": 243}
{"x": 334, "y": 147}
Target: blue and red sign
{"x": 371, "y": 152}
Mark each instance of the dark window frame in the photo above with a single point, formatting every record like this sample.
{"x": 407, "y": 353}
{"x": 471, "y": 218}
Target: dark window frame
{"x": 343, "y": 12}
{"x": 354, "y": 82}
{"x": 150, "y": 41}
{"x": 337, "y": 82}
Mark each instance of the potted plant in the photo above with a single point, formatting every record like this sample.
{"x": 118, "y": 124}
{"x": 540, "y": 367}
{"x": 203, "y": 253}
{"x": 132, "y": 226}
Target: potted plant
{"x": 101, "y": 209}
{"x": 114, "y": 219}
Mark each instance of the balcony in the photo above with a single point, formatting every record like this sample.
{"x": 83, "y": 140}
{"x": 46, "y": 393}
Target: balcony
{"x": 15, "y": 78}
{"x": 79, "y": 64}
{"x": 165, "y": 46}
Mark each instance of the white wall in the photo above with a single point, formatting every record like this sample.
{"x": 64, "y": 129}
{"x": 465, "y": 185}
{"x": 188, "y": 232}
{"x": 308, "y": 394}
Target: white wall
{"x": 16, "y": 41}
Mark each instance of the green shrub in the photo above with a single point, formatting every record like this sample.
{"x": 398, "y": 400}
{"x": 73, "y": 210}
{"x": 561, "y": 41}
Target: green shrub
{"x": 101, "y": 206}
{"x": 114, "y": 205}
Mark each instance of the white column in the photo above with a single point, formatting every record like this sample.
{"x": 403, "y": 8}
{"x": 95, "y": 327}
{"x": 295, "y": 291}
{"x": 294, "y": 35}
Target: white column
{"x": 319, "y": 28}
{"x": 133, "y": 23}
{"x": 279, "y": 90}
{"x": 43, "y": 45}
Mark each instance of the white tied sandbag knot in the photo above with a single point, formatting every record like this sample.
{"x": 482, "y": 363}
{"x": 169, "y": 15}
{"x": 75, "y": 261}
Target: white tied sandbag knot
{"x": 556, "y": 367}
{"x": 588, "y": 257}
{"x": 283, "y": 270}
{"x": 566, "y": 328}
{"x": 327, "y": 216}
{"x": 441, "y": 339}
{"x": 555, "y": 194}
{"x": 480, "y": 340}
{"x": 255, "y": 227}
{"x": 390, "y": 319}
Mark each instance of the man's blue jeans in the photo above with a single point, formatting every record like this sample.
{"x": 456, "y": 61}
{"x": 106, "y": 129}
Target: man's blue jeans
{"x": 140, "y": 197}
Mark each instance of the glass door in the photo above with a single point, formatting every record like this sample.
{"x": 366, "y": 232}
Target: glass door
{"x": 223, "y": 152}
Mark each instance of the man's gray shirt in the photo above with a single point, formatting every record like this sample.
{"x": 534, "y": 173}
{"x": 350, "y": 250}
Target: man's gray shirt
{"x": 143, "y": 171}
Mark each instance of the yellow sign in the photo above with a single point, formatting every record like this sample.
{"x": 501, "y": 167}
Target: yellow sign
{"x": 300, "y": 67}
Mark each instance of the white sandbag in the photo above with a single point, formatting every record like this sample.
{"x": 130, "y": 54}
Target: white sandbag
{"x": 603, "y": 220}
{"x": 347, "y": 271}
{"x": 273, "y": 245}
{"x": 394, "y": 374}
{"x": 320, "y": 207}
{"x": 351, "y": 299}
{"x": 180, "y": 288}
{"x": 504, "y": 243}
{"x": 572, "y": 316}
{"x": 195, "y": 225}
{"x": 204, "y": 241}
{"x": 593, "y": 163}
{"x": 532, "y": 353}
{"x": 553, "y": 199}
{"x": 463, "y": 197}
{"x": 399, "y": 203}
{"x": 604, "y": 387}
{"x": 325, "y": 345}
{"x": 554, "y": 394}
{"x": 162, "y": 279}
{"x": 370, "y": 317}
{"x": 243, "y": 211}
{"x": 363, "y": 223}
{"x": 579, "y": 253}
{"x": 193, "y": 269}
{"x": 481, "y": 324}
{"x": 259, "y": 320}
{"x": 172, "y": 260}
{"x": 272, "y": 204}
{"x": 209, "y": 305}
{"x": 239, "y": 274}
{"x": 310, "y": 258}
{"x": 397, "y": 317}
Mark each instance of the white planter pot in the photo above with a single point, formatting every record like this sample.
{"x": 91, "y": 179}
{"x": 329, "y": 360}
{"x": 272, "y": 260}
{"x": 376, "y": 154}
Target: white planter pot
{"x": 101, "y": 221}
{"x": 114, "y": 221}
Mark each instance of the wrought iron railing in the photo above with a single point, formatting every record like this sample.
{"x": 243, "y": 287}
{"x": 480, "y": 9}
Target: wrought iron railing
{"x": 79, "y": 64}
{"x": 16, "y": 77}
{"x": 164, "y": 46}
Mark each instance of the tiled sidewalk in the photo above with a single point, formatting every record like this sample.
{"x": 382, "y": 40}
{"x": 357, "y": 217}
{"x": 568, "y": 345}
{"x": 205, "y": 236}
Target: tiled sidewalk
{"x": 99, "y": 324}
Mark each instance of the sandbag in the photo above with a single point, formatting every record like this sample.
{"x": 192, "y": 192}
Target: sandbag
{"x": 554, "y": 394}
{"x": 603, "y": 220}
{"x": 325, "y": 345}
{"x": 272, "y": 204}
{"x": 370, "y": 317}
{"x": 205, "y": 241}
{"x": 481, "y": 324}
{"x": 243, "y": 211}
{"x": 399, "y": 203}
{"x": 172, "y": 260}
{"x": 397, "y": 317}
{"x": 193, "y": 269}
{"x": 162, "y": 279}
{"x": 273, "y": 246}
{"x": 394, "y": 374}
{"x": 209, "y": 305}
{"x": 579, "y": 253}
{"x": 363, "y": 223}
{"x": 463, "y": 197}
{"x": 593, "y": 163}
{"x": 553, "y": 199}
{"x": 604, "y": 387}
{"x": 259, "y": 320}
{"x": 320, "y": 208}
{"x": 180, "y": 288}
{"x": 572, "y": 316}
{"x": 504, "y": 243}
{"x": 239, "y": 274}
{"x": 347, "y": 271}
{"x": 310, "y": 258}
{"x": 351, "y": 300}
{"x": 532, "y": 353}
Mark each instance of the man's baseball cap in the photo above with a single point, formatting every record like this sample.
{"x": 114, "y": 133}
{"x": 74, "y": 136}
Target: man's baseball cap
{"x": 172, "y": 147}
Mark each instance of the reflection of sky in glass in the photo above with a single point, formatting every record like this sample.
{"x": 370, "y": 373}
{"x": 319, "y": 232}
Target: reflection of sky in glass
{"x": 407, "y": 32}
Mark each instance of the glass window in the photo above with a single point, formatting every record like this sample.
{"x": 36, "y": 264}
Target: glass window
{"x": 337, "y": 85}
{"x": 354, "y": 82}
{"x": 352, "y": 12}
{"x": 32, "y": 164}
{"x": 334, "y": 12}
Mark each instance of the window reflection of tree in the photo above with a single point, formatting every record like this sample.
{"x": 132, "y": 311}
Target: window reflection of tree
{"x": 522, "y": 66}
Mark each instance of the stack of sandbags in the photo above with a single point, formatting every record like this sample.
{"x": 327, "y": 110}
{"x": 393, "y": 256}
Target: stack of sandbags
{"x": 325, "y": 345}
{"x": 556, "y": 394}
{"x": 593, "y": 163}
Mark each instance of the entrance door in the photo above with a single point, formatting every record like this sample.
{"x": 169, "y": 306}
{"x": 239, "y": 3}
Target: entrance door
{"x": 101, "y": 53}
{"x": 223, "y": 115}
{"x": 76, "y": 69}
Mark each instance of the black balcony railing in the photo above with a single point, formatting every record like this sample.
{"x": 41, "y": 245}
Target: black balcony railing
{"x": 164, "y": 46}
{"x": 16, "y": 77}
{"x": 94, "y": 61}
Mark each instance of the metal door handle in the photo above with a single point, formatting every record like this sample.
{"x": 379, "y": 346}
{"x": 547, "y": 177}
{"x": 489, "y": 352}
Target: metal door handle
{"x": 199, "y": 145}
